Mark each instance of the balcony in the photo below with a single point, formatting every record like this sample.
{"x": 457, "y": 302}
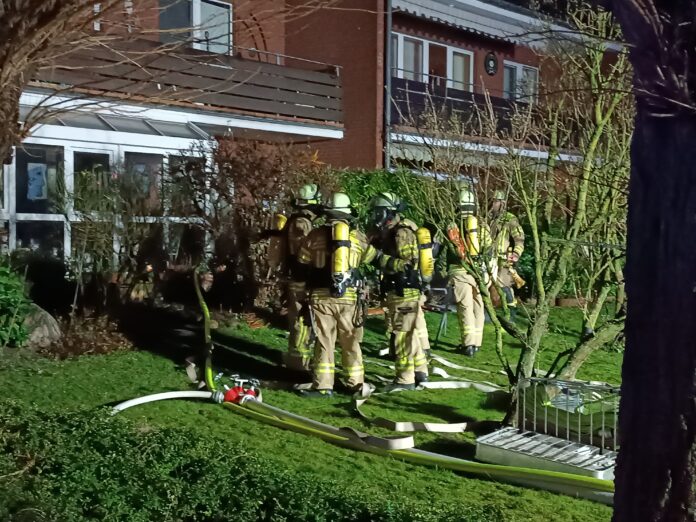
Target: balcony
{"x": 148, "y": 72}
{"x": 414, "y": 103}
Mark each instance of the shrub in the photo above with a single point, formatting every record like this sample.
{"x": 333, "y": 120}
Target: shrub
{"x": 14, "y": 306}
{"x": 92, "y": 466}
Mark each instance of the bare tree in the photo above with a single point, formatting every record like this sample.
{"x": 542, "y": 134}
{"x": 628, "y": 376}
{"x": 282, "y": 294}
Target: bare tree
{"x": 562, "y": 160}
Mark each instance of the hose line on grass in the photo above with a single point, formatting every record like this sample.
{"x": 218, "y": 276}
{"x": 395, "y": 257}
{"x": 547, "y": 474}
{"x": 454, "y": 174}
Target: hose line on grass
{"x": 162, "y": 397}
{"x": 207, "y": 339}
{"x": 566, "y": 483}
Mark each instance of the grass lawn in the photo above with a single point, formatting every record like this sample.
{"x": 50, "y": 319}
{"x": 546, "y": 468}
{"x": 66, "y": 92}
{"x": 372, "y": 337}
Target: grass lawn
{"x": 91, "y": 381}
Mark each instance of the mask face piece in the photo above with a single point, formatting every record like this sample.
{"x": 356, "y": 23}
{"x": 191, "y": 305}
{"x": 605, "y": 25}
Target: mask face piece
{"x": 381, "y": 216}
{"x": 467, "y": 210}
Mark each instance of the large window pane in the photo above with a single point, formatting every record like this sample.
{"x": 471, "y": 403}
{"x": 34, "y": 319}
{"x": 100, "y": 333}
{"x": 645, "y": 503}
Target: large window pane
{"x": 175, "y": 20}
{"x": 529, "y": 84}
{"x": 215, "y": 27}
{"x": 413, "y": 60}
{"x": 140, "y": 184}
{"x": 39, "y": 179}
{"x": 185, "y": 185}
{"x": 45, "y": 237}
{"x": 92, "y": 181}
{"x": 509, "y": 82}
{"x": 461, "y": 67}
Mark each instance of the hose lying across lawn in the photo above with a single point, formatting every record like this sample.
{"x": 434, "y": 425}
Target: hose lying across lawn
{"x": 566, "y": 483}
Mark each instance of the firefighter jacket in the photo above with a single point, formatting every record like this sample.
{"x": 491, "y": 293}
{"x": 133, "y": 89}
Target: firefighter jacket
{"x": 299, "y": 225}
{"x": 476, "y": 241}
{"x": 508, "y": 236}
{"x": 315, "y": 260}
{"x": 399, "y": 242}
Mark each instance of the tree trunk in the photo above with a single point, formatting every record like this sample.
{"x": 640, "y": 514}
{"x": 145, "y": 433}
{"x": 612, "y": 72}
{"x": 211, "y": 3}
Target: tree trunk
{"x": 657, "y": 425}
{"x": 537, "y": 330}
{"x": 603, "y": 336}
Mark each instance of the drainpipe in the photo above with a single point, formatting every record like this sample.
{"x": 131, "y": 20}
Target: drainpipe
{"x": 387, "y": 86}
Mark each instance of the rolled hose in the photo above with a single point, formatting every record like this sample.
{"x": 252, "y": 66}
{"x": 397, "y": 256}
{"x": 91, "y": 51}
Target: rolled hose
{"x": 566, "y": 483}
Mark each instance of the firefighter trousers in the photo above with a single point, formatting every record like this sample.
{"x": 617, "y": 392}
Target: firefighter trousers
{"x": 469, "y": 308}
{"x": 299, "y": 354}
{"x": 410, "y": 357}
{"x": 422, "y": 329}
{"x": 334, "y": 319}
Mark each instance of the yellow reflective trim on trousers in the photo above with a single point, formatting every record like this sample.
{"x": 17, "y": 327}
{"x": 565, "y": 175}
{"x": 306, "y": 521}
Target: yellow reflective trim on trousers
{"x": 324, "y": 368}
{"x": 355, "y": 370}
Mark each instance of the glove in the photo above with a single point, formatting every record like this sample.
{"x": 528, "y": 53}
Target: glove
{"x": 399, "y": 265}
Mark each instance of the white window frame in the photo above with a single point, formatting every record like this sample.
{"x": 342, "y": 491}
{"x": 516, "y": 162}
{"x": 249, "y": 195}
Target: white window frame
{"x": 425, "y": 73}
{"x": 519, "y": 69}
{"x": 197, "y": 30}
{"x": 116, "y": 152}
{"x": 450, "y": 67}
{"x": 96, "y": 10}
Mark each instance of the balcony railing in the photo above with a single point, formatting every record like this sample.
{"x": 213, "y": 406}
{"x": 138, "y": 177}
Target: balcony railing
{"x": 414, "y": 103}
{"x": 150, "y": 72}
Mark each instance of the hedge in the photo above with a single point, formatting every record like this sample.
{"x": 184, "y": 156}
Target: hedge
{"x": 93, "y": 466}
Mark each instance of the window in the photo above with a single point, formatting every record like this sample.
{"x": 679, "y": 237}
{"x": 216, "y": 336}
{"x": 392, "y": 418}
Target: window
{"x": 96, "y": 24}
{"x": 45, "y": 237}
{"x": 92, "y": 176}
{"x": 214, "y": 27}
{"x": 413, "y": 60}
{"x": 432, "y": 62}
{"x": 395, "y": 55}
{"x": 141, "y": 182}
{"x": 520, "y": 82}
{"x": 39, "y": 179}
{"x": 207, "y": 23}
{"x": 461, "y": 71}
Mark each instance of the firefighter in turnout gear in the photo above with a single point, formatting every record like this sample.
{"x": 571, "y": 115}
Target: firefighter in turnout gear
{"x": 331, "y": 256}
{"x": 406, "y": 265}
{"x": 470, "y": 242}
{"x": 508, "y": 245}
{"x": 294, "y": 230}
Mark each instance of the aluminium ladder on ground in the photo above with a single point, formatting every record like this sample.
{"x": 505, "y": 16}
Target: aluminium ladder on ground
{"x": 561, "y": 426}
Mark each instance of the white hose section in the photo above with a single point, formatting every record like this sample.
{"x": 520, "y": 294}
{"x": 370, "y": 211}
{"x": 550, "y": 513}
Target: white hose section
{"x": 162, "y": 397}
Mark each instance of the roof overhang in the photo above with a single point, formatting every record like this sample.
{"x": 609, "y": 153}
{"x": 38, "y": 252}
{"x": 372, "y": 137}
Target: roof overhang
{"x": 419, "y": 149}
{"x": 104, "y": 116}
{"x": 494, "y": 21}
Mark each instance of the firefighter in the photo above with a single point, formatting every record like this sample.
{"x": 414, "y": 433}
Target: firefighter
{"x": 398, "y": 239}
{"x": 331, "y": 255}
{"x": 463, "y": 260}
{"x": 292, "y": 233}
{"x": 508, "y": 245}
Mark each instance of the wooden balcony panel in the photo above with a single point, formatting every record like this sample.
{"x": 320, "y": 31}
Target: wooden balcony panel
{"x": 143, "y": 70}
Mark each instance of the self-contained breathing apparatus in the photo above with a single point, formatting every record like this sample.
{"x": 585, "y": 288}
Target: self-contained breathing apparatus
{"x": 277, "y": 243}
{"x": 386, "y": 208}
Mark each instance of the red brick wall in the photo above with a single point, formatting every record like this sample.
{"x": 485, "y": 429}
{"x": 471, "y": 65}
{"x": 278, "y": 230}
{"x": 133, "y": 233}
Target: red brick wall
{"x": 259, "y": 24}
{"x": 350, "y": 34}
